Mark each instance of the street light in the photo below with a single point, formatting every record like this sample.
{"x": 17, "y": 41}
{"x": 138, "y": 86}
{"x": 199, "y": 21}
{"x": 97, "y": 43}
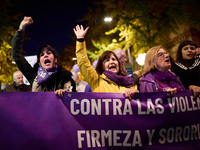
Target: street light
{"x": 141, "y": 58}
{"x": 107, "y": 19}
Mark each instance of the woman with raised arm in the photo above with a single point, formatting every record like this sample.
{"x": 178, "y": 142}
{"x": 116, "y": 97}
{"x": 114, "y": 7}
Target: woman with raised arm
{"x": 157, "y": 75}
{"x": 46, "y": 75}
{"x": 109, "y": 76}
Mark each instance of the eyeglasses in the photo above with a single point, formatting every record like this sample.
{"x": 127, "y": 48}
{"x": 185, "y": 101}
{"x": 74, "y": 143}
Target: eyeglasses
{"x": 186, "y": 48}
{"x": 162, "y": 54}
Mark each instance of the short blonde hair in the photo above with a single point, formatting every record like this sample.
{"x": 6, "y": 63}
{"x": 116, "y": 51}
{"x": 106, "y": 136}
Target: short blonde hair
{"x": 150, "y": 59}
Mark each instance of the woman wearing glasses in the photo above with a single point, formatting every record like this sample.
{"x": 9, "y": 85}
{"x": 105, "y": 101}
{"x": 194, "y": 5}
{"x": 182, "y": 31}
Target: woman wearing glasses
{"x": 187, "y": 66}
{"x": 157, "y": 75}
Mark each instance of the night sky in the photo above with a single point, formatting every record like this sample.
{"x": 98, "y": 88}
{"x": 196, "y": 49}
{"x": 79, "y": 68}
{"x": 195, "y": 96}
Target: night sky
{"x": 53, "y": 22}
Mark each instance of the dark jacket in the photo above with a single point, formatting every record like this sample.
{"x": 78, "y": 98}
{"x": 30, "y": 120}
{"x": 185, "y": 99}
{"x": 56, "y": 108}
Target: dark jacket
{"x": 56, "y": 81}
{"x": 188, "y": 75}
{"x": 21, "y": 88}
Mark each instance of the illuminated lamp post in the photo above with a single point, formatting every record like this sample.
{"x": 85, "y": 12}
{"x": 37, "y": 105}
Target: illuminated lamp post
{"x": 140, "y": 60}
{"x": 109, "y": 19}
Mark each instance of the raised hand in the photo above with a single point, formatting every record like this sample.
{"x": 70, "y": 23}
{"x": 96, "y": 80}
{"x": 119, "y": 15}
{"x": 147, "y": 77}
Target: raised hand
{"x": 80, "y": 32}
{"x": 25, "y": 22}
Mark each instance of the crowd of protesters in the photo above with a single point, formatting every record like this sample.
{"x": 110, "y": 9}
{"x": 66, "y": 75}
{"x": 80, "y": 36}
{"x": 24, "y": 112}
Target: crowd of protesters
{"x": 109, "y": 74}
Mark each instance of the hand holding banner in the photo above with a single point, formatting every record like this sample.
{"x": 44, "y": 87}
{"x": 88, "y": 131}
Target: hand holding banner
{"x": 99, "y": 121}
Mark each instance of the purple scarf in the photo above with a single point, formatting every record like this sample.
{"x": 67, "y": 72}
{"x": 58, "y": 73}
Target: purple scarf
{"x": 43, "y": 74}
{"x": 119, "y": 79}
{"x": 167, "y": 80}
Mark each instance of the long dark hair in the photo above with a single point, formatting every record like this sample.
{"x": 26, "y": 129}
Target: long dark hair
{"x": 179, "y": 56}
{"x": 39, "y": 51}
{"x": 106, "y": 55}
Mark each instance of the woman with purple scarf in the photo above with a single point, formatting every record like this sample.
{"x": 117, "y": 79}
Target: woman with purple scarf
{"x": 46, "y": 75}
{"x": 109, "y": 75}
{"x": 157, "y": 75}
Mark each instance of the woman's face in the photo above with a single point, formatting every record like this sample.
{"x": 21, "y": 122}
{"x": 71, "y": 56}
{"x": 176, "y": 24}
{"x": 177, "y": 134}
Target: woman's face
{"x": 111, "y": 64}
{"x": 188, "y": 52}
{"x": 163, "y": 60}
{"x": 47, "y": 59}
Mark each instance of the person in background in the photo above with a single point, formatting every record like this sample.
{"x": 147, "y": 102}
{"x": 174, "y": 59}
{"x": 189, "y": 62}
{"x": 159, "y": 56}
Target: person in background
{"x": 187, "y": 66}
{"x": 88, "y": 88}
{"x": 80, "y": 84}
{"x": 108, "y": 76}
{"x": 157, "y": 75}
{"x": 45, "y": 75}
{"x": 18, "y": 84}
{"x": 3, "y": 86}
{"x": 121, "y": 54}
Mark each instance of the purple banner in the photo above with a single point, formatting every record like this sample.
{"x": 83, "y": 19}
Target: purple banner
{"x": 102, "y": 121}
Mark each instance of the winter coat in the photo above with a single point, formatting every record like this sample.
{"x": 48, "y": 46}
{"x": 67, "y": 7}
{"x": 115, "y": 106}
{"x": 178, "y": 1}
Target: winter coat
{"x": 55, "y": 82}
{"x": 149, "y": 83}
{"x": 188, "y": 75}
{"x": 98, "y": 82}
{"x": 21, "y": 88}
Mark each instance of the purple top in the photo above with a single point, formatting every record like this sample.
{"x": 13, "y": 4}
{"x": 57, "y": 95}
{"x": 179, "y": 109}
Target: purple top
{"x": 157, "y": 81}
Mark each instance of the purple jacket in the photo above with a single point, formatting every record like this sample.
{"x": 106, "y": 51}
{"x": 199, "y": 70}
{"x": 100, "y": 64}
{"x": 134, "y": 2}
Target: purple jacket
{"x": 148, "y": 83}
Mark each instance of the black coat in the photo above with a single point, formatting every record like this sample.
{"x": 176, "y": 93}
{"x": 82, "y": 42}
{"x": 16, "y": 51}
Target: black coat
{"x": 21, "y": 88}
{"x": 188, "y": 75}
{"x": 55, "y": 82}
